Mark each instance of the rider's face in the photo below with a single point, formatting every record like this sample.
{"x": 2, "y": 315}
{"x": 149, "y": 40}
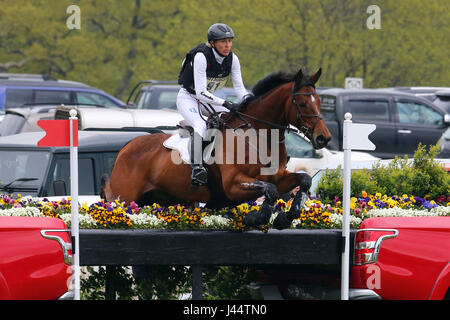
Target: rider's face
{"x": 223, "y": 46}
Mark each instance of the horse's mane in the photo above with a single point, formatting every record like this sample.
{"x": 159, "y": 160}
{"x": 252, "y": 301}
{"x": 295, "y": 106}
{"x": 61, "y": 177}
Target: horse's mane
{"x": 272, "y": 81}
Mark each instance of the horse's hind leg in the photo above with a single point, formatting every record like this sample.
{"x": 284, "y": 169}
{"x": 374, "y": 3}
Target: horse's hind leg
{"x": 262, "y": 217}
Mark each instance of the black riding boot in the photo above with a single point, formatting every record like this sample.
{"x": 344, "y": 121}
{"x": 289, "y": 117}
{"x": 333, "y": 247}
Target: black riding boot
{"x": 199, "y": 175}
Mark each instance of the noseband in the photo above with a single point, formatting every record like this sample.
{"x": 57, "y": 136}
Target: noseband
{"x": 307, "y": 131}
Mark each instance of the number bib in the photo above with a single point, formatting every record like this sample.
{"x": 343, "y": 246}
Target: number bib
{"x": 213, "y": 84}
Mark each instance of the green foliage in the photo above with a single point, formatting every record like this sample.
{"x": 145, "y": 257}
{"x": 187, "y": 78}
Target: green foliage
{"x": 163, "y": 283}
{"x": 166, "y": 283}
{"x": 93, "y": 283}
{"x": 331, "y": 183}
{"x": 123, "y": 42}
{"x": 228, "y": 282}
{"x": 420, "y": 176}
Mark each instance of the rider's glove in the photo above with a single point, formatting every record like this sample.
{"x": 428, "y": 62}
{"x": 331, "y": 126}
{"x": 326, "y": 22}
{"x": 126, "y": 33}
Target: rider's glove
{"x": 231, "y": 105}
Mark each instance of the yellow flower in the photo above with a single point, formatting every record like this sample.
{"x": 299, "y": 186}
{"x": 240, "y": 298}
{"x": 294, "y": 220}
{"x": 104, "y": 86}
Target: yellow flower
{"x": 353, "y": 203}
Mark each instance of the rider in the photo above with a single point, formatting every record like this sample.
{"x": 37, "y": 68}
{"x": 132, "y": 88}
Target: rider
{"x": 205, "y": 69}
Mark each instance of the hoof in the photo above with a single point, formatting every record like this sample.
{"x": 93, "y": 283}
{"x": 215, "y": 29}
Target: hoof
{"x": 299, "y": 202}
{"x": 271, "y": 193}
{"x": 281, "y": 221}
{"x": 254, "y": 219}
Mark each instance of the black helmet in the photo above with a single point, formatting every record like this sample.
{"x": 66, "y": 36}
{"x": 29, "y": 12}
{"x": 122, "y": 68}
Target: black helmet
{"x": 219, "y": 31}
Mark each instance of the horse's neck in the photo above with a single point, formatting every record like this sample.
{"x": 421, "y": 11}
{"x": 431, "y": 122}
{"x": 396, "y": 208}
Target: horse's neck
{"x": 270, "y": 107}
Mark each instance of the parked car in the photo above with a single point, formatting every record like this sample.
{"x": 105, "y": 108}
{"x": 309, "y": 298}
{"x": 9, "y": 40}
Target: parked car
{"x": 35, "y": 259}
{"x": 154, "y": 94}
{"x": 440, "y": 96}
{"x": 91, "y": 118}
{"x": 442, "y": 100}
{"x": 304, "y": 157}
{"x": 28, "y": 169}
{"x": 163, "y": 95}
{"x": 391, "y": 258}
{"x": 403, "y": 258}
{"x": 444, "y": 145}
{"x": 424, "y": 92}
{"x": 24, "y": 119}
{"x": 17, "y": 93}
{"x": 403, "y": 120}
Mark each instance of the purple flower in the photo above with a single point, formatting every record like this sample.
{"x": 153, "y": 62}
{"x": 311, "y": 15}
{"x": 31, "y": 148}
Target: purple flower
{"x": 419, "y": 200}
{"x": 428, "y": 205}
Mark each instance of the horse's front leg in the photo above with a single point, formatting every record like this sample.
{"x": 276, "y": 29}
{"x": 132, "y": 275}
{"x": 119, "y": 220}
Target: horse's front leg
{"x": 303, "y": 180}
{"x": 270, "y": 192}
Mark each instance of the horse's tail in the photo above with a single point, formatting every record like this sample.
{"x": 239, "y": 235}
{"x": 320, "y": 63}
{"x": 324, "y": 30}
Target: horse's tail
{"x": 105, "y": 189}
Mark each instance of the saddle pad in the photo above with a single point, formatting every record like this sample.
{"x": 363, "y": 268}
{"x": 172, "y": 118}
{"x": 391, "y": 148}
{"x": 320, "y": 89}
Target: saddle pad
{"x": 182, "y": 145}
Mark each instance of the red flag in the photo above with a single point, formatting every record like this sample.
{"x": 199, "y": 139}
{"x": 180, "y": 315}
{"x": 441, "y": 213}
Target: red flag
{"x": 58, "y": 133}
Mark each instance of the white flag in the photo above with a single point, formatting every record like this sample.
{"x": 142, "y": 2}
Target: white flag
{"x": 358, "y": 136}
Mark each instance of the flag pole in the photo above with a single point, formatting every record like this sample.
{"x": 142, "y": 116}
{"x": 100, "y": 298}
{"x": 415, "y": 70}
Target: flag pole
{"x": 346, "y": 209}
{"x": 74, "y": 207}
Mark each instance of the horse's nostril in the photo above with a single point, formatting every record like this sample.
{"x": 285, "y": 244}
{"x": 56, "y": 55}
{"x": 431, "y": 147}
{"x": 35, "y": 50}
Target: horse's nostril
{"x": 321, "y": 140}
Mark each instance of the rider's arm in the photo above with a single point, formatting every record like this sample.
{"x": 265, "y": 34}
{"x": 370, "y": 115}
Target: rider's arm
{"x": 236, "y": 77}
{"x": 201, "y": 92}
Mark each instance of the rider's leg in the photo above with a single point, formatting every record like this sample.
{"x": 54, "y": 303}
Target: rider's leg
{"x": 188, "y": 107}
{"x": 199, "y": 174}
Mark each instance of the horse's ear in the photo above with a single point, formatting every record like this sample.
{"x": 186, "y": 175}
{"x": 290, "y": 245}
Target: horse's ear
{"x": 315, "y": 77}
{"x": 299, "y": 77}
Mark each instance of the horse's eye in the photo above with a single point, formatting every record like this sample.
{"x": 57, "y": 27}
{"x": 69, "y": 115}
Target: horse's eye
{"x": 302, "y": 104}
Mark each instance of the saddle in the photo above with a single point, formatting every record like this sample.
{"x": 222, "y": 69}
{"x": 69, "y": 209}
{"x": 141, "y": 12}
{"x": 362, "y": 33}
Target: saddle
{"x": 181, "y": 143}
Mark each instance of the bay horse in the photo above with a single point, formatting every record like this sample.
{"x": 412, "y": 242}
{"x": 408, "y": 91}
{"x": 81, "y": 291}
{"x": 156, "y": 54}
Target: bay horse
{"x": 144, "y": 173}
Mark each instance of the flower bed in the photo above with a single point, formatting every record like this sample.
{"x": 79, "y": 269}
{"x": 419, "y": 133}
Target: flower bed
{"x": 315, "y": 214}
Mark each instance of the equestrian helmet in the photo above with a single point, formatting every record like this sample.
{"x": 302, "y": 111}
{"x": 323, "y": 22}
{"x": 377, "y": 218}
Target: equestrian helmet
{"x": 220, "y": 31}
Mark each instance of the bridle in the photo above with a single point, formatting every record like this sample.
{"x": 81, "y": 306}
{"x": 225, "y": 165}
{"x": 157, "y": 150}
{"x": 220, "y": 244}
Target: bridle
{"x": 307, "y": 131}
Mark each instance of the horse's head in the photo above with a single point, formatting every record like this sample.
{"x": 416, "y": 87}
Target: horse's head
{"x": 304, "y": 110}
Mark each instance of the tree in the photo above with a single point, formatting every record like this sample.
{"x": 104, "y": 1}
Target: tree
{"x": 121, "y": 43}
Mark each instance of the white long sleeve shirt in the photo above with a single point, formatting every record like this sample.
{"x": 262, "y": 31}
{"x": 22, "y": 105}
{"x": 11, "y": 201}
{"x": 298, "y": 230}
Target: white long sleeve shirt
{"x": 201, "y": 81}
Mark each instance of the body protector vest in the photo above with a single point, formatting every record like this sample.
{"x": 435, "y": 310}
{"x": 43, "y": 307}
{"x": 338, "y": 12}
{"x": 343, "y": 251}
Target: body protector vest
{"x": 216, "y": 74}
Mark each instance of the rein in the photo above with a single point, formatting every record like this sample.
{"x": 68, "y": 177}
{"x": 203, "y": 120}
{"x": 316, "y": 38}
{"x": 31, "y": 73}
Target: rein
{"x": 307, "y": 131}
{"x": 215, "y": 116}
